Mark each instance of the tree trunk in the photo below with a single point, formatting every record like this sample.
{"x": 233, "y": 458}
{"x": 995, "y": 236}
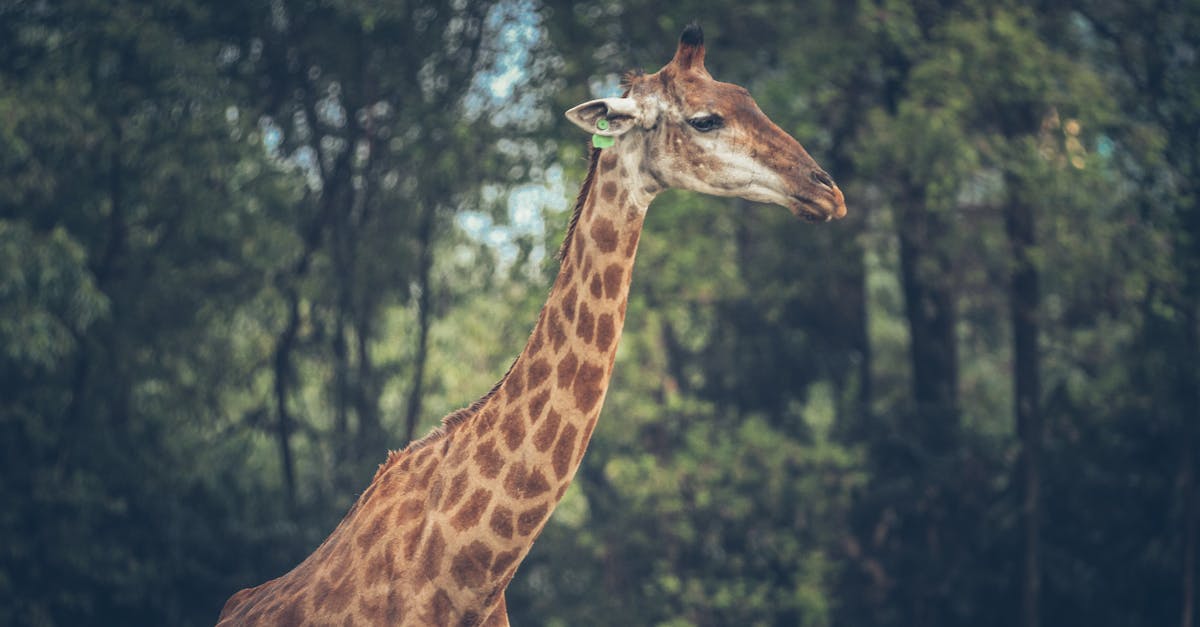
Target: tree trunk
{"x": 283, "y": 424}
{"x": 1189, "y": 395}
{"x": 341, "y": 247}
{"x": 1189, "y": 374}
{"x": 1191, "y": 520}
{"x": 926, "y": 273}
{"x": 424, "y": 318}
{"x": 366, "y": 398}
{"x": 1023, "y": 305}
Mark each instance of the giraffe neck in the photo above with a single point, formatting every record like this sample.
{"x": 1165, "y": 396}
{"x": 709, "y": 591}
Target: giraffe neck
{"x": 501, "y": 471}
{"x": 440, "y": 531}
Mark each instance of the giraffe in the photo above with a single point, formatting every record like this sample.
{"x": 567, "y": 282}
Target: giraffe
{"x": 439, "y": 532}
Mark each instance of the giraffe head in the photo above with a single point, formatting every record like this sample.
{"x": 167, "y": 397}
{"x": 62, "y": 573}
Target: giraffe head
{"x": 689, "y": 131}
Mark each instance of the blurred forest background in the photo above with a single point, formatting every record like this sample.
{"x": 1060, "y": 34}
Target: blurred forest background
{"x": 245, "y": 248}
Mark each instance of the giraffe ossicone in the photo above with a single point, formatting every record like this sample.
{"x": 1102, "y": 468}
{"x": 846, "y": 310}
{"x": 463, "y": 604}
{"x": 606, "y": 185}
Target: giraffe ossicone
{"x": 441, "y": 529}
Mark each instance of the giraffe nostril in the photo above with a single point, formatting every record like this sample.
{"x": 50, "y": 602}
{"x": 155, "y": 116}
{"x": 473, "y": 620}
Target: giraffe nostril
{"x": 821, "y": 178}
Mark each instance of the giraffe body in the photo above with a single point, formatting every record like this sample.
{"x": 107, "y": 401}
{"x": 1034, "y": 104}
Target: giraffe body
{"x": 440, "y": 531}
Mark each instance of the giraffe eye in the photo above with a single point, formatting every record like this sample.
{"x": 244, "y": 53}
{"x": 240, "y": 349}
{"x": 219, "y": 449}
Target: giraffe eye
{"x": 706, "y": 123}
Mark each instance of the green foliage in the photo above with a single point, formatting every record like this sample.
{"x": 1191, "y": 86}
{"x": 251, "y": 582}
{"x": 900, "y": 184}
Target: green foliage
{"x": 47, "y": 296}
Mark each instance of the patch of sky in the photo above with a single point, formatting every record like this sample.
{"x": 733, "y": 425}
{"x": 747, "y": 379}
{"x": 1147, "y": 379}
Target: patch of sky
{"x": 526, "y": 210}
{"x": 500, "y": 90}
{"x": 607, "y": 86}
{"x": 305, "y": 158}
{"x": 272, "y": 135}
{"x": 329, "y": 108}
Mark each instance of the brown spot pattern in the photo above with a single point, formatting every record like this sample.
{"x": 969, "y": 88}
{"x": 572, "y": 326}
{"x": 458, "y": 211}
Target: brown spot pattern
{"x": 374, "y": 530}
{"x": 536, "y": 484}
{"x": 566, "y": 370}
{"x": 568, "y": 304}
{"x": 587, "y": 435}
{"x": 514, "y": 385}
{"x": 555, "y": 329}
{"x": 421, "y": 482}
{"x": 632, "y": 242}
{"x": 537, "y": 404}
{"x": 586, "y": 328}
{"x": 614, "y": 276}
{"x": 501, "y": 522}
{"x": 514, "y": 482}
{"x": 588, "y": 387}
{"x": 395, "y": 606}
{"x": 485, "y": 421}
{"x": 608, "y": 191}
{"x": 596, "y": 286}
{"x": 545, "y": 435}
{"x": 606, "y": 331}
{"x": 470, "y": 567}
{"x": 457, "y": 487}
{"x": 412, "y": 542}
{"x": 440, "y": 608}
{"x": 336, "y": 598}
{"x": 435, "y": 491}
{"x": 372, "y": 612}
{"x": 431, "y": 558}
{"x": 459, "y": 455}
{"x": 377, "y": 566}
{"x": 513, "y": 429}
{"x": 504, "y": 560}
{"x": 531, "y": 519}
{"x": 339, "y": 561}
{"x": 561, "y": 459}
{"x": 523, "y": 483}
{"x": 471, "y": 511}
{"x": 488, "y": 460}
{"x": 389, "y": 559}
{"x": 539, "y": 371}
{"x": 604, "y": 234}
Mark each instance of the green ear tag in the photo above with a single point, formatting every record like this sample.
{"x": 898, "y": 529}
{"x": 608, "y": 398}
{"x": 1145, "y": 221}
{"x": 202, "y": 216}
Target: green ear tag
{"x": 601, "y": 141}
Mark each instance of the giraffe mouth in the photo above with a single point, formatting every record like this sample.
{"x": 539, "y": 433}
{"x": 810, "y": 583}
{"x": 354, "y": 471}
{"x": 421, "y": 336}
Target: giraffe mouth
{"x": 809, "y": 210}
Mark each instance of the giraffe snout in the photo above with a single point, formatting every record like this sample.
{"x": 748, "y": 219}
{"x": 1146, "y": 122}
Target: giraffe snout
{"x": 839, "y": 204}
{"x": 823, "y": 200}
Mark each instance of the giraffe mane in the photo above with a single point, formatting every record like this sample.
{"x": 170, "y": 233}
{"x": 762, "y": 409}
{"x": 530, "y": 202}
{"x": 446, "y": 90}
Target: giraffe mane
{"x": 594, "y": 159}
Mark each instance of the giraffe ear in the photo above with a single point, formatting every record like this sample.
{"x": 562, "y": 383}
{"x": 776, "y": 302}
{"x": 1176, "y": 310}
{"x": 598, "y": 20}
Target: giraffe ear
{"x": 609, "y": 117}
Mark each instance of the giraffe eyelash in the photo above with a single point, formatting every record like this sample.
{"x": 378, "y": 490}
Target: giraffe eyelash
{"x": 706, "y": 122}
